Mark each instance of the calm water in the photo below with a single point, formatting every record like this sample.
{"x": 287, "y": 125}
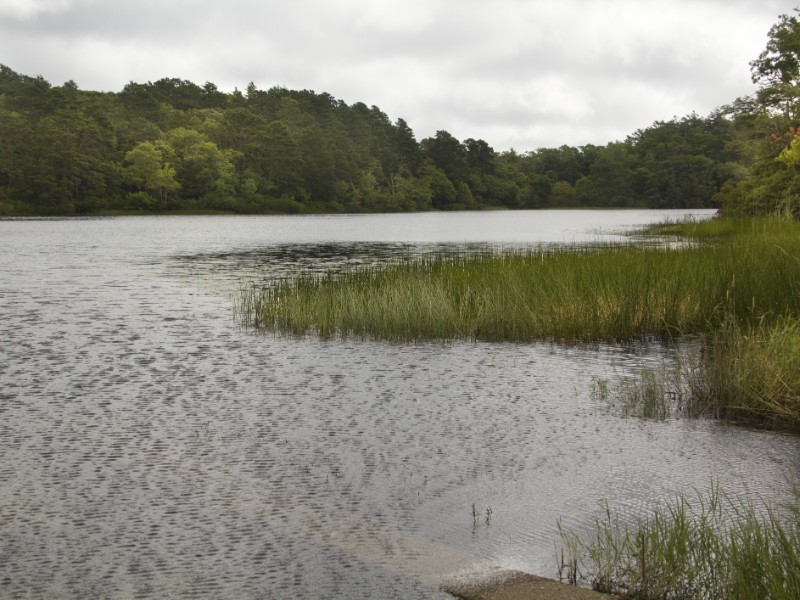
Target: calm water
{"x": 151, "y": 448}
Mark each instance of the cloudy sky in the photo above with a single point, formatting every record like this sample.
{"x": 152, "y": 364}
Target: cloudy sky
{"x": 520, "y": 74}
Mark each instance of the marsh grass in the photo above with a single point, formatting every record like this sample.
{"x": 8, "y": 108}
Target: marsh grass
{"x": 573, "y": 294}
{"x": 748, "y": 374}
{"x": 742, "y": 374}
{"x": 718, "y": 228}
{"x": 708, "y": 547}
{"x": 736, "y": 289}
{"x": 649, "y": 394}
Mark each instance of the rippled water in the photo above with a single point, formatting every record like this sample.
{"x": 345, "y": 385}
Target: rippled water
{"x": 151, "y": 448}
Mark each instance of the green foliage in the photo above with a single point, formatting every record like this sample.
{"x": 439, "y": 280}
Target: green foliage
{"x": 749, "y": 276}
{"x": 766, "y": 127}
{"x": 777, "y": 69}
{"x": 749, "y": 374}
{"x": 148, "y": 166}
{"x": 711, "y": 546}
{"x": 175, "y": 145}
{"x": 172, "y": 145}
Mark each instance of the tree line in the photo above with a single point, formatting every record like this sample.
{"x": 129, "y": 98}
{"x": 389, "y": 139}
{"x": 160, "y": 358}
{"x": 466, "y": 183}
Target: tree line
{"x": 173, "y": 145}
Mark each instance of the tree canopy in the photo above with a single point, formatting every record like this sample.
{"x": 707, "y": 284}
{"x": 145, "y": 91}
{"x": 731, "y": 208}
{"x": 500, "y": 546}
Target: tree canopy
{"x": 766, "y": 177}
{"x": 173, "y": 145}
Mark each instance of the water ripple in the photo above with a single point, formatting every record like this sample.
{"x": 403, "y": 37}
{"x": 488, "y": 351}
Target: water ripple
{"x": 152, "y": 449}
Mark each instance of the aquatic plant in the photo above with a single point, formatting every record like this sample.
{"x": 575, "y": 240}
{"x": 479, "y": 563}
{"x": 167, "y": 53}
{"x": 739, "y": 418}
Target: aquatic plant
{"x": 476, "y": 513}
{"x": 712, "y": 546}
{"x": 569, "y": 294}
{"x": 748, "y": 374}
{"x": 736, "y": 289}
{"x": 207, "y": 431}
{"x": 646, "y": 394}
{"x": 568, "y": 559}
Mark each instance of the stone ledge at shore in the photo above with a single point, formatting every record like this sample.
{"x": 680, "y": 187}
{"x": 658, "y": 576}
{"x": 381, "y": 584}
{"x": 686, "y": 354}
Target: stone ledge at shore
{"x": 516, "y": 585}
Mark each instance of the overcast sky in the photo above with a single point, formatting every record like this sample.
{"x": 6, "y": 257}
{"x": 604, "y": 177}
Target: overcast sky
{"x": 517, "y": 73}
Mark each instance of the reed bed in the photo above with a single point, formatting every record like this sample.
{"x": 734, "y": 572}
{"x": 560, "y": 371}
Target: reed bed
{"x": 748, "y": 375}
{"x": 708, "y": 547}
{"x": 732, "y": 299}
{"x": 736, "y": 289}
{"x": 573, "y": 294}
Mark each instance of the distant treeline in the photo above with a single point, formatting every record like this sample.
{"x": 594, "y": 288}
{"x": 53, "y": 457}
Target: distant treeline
{"x": 173, "y": 145}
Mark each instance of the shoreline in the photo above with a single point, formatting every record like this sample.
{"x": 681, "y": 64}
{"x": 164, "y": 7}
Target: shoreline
{"x": 517, "y": 585}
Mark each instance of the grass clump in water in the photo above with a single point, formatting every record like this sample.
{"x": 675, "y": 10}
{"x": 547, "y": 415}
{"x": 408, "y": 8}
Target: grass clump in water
{"x": 712, "y": 547}
{"x": 575, "y": 294}
{"x": 647, "y": 395}
{"x": 749, "y": 374}
{"x": 743, "y": 374}
{"x": 737, "y": 290}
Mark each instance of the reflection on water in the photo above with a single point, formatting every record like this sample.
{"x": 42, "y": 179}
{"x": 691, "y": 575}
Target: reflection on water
{"x": 268, "y": 264}
{"x": 152, "y": 449}
{"x": 276, "y": 262}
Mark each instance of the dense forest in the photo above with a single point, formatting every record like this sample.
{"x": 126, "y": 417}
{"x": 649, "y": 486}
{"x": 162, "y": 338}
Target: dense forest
{"x": 173, "y": 145}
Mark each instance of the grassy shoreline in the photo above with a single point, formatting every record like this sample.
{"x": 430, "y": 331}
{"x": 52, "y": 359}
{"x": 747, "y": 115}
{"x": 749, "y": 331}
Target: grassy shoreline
{"x": 736, "y": 288}
{"x": 692, "y": 547}
{"x": 733, "y": 293}
{"x": 572, "y": 294}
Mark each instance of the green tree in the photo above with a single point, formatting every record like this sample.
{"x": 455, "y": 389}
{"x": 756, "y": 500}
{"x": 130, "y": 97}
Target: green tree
{"x": 777, "y": 69}
{"x": 448, "y": 155}
{"x": 16, "y": 156}
{"x": 202, "y": 168}
{"x": 318, "y": 165}
{"x": 149, "y": 168}
{"x": 443, "y": 193}
{"x": 69, "y": 167}
{"x": 562, "y": 195}
{"x": 407, "y": 150}
{"x": 609, "y": 181}
{"x": 559, "y": 164}
{"x": 767, "y": 128}
{"x": 279, "y": 158}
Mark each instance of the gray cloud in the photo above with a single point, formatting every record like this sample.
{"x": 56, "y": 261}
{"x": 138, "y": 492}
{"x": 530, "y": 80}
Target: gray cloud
{"x": 521, "y": 73}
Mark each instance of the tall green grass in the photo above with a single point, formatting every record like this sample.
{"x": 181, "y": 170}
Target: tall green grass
{"x": 748, "y": 374}
{"x": 710, "y": 547}
{"x": 736, "y": 289}
{"x": 718, "y": 228}
{"x": 650, "y": 394}
{"x": 575, "y": 294}
{"x": 743, "y": 374}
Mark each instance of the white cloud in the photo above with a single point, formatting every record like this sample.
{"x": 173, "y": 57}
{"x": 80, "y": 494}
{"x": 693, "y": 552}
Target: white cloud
{"x": 28, "y": 9}
{"x": 521, "y": 73}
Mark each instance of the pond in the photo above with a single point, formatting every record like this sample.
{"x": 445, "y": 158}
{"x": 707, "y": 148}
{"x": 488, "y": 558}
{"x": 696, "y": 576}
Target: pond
{"x": 152, "y": 448}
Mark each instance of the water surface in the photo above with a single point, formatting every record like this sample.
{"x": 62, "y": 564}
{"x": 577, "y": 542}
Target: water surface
{"x": 151, "y": 448}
